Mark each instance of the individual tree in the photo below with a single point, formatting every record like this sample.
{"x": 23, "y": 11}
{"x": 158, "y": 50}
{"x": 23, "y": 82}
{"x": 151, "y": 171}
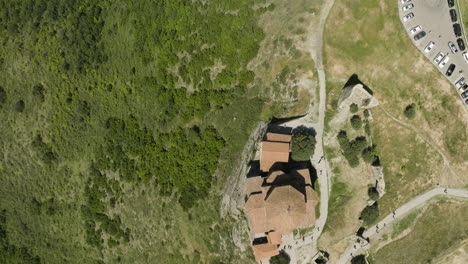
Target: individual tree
{"x": 302, "y": 146}
{"x": 282, "y": 258}
{"x": 356, "y": 122}
{"x": 410, "y": 111}
{"x": 373, "y": 193}
{"x": 353, "y": 108}
{"x": 370, "y": 214}
{"x": 359, "y": 259}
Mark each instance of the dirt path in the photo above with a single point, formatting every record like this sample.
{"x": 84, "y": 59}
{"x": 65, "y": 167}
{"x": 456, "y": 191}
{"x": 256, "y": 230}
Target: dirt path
{"x": 357, "y": 248}
{"x": 304, "y": 249}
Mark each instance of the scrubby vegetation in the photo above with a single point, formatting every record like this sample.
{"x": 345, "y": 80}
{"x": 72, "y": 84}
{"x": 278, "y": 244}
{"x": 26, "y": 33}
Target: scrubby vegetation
{"x": 359, "y": 259}
{"x": 351, "y": 149}
{"x": 112, "y": 108}
{"x": 353, "y": 108}
{"x": 356, "y": 121}
{"x": 373, "y": 193}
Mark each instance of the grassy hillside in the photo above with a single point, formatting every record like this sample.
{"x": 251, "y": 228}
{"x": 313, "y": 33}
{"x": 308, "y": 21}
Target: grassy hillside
{"x": 367, "y": 38}
{"x": 114, "y": 117}
{"x": 445, "y": 219}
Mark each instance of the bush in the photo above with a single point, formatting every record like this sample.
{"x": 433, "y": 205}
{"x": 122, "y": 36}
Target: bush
{"x": 368, "y": 155}
{"x": 302, "y": 147}
{"x": 19, "y": 107}
{"x": 370, "y": 214}
{"x": 353, "y": 108}
{"x": 351, "y": 149}
{"x": 366, "y": 113}
{"x": 282, "y": 258}
{"x": 410, "y": 111}
{"x": 359, "y": 259}
{"x": 356, "y": 122}
{"x": 373, "y": 193}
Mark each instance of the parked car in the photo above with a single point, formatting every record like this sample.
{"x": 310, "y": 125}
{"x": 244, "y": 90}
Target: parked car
{"x": 463, "y": 88}
{"x": 444, "y": 61}
{"x": 420, "y": 35}
{"x": 452, "y": 46}
{"x": 461, "y": 44}
{"x": 464, "y": 94}
{"x": 408, "y": 17}
{"x": 407, "y": 7}
{"x": 415, "y": 29}
{"x": 450, "y": 70}
{"x": 457, "y": 29}
{"x": 451, "y": 3}
{"x": 453, "y": 15}
{"x": 460, "y": 82}
{"x": 465, "y": 56}
{"x": 405, "y": 1}
{"x": 466, "y": 101}
{"x": 429, "y": 47}
{"x": 439, "y": 58}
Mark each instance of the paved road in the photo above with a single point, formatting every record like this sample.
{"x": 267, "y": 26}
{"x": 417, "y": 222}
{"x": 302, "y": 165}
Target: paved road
{"x": 355, "y": 248}
{"x": 434, "y": 18}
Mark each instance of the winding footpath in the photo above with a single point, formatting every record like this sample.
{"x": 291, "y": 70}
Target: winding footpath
{"x": 361, "y": 245}
{"x": 309, "y": 243}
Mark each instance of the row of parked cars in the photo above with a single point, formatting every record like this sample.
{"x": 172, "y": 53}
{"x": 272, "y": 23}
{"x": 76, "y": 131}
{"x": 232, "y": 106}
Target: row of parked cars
{"x": 442, "y": 59}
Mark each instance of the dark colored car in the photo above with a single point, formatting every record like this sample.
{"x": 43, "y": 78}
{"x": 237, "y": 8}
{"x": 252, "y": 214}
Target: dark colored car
{"x": 464, "y": 94}
{"x": 451, "y": 2}
{"x": 461, "y": 44}
{"x": 453, "y": 15}
{"x": 457, "y": 29}
{"x": 420, "y": 35}
{"x": 464, "y": 87}
{"x": 466, "y": 101}
{"x": 450, "y": 70}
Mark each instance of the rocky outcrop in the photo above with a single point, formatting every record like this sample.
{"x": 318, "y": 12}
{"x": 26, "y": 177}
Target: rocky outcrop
{"x": 357, "y": 94}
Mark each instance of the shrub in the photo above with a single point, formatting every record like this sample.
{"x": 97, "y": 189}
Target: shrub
{"x": 366, "y": 113}
{"x": 359, "y": 259}
{"x": 302, "y": 147}
{"x": 368, "y": 155}
{"x": 373, "y": 193}
{"x": 282, "y": 258}
{"x": 356, "y": 122}
{"x": 351, "y": 149}
{"x": 19, "y": 107}
{"x": 410, "y": 111}
{"x": 370, "y": 214}
{"x": 353, "y": 108}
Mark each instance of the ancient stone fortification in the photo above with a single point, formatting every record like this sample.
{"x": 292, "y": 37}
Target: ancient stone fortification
{"x": 358, "y": 95}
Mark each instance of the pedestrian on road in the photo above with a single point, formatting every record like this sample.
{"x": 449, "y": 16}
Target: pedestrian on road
{"x": 384, "y": 224}
{"x": 354, "y": 246}
{"x": 318, "y": 228}
{"x": 445, "y": 191}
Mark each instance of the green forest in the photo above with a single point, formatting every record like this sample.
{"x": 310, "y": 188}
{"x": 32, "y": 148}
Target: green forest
{"x": 120, "y": 120}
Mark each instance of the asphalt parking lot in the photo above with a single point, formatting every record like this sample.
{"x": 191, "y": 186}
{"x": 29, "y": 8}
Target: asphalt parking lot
{"x": 433, "y": 16}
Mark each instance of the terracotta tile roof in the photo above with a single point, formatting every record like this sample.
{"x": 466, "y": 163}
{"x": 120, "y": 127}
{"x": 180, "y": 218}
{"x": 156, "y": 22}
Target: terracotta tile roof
{"x": 282, "y": 207}
{"x": 273, "y": 152}
{"x": 265, "y": 251}
{"x": 274, "y": 238}
{"x": 278, "y": 137}
{"x": 253, "y": 184}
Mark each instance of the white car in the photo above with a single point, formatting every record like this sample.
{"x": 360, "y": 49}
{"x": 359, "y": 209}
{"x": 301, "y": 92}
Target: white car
{"x": 439, "y": 58}
{"x": 444, "y": 61}
{"x": 429, "y": 47}
{"x": 452, "y": 46}
{"x": 407, "y": 7}
{"x": 460, "y": 82}
{"x": 415, "y": 29}
{"x": 408, "y": 17}
{"x": 465, "y": 56}
{"x": 404, "y": 1}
